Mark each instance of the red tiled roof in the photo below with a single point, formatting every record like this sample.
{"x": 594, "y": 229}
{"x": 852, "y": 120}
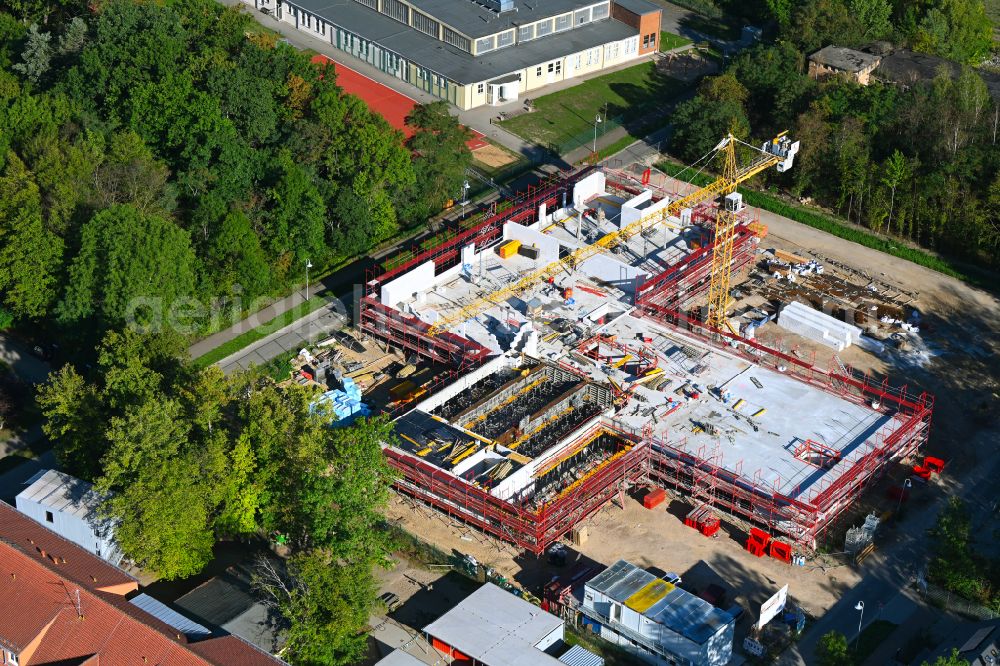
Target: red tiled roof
{"x": 232, "y": 650}
{"x": 79, "y": 623}
{"x": 60, "y": 555}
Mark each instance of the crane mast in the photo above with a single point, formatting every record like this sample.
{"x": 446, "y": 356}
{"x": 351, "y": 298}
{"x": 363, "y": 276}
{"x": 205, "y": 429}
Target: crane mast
{"x": 779, "y": 152}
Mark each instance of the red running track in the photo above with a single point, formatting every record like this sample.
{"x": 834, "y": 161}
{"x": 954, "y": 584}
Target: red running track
{"x": 393, "y": 106}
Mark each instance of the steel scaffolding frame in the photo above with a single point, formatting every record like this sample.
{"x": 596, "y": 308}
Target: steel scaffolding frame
{"x": 388, "y": 324}
{"x": 665, "y": 297}
{"x": 517, "y": 523}
{"x": 802, "y": 520}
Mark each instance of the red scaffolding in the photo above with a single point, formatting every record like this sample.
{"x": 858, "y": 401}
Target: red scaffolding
{"x": 533, "y": 529}
{"x": 390, "y": 325}
{"x": 801, "y": 517}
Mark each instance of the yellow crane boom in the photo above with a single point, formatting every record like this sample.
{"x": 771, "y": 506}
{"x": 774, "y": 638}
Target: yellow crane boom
{"x": 779, "y": 152}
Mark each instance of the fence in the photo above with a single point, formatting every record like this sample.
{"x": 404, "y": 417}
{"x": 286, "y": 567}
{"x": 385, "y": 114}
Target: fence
{"x": 954, "y": 603}
{"x": 586, "y": 137}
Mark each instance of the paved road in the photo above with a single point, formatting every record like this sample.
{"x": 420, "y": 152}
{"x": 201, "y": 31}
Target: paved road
{"x": 903, "y": 550}
{"x": 28, "y": 368}
{"x": 25, "y": 365}
{"x": 288, "y": 340}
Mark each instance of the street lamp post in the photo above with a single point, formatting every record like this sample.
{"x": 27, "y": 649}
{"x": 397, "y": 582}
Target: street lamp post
{"x": 597, "y": 121}
{"x": 465, "y": 196}
{"x": 309, "y": 265}
{"x": 899, "y": 505}
{"x": 860, "y": 606}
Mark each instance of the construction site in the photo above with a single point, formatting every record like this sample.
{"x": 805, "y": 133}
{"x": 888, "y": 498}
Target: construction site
{"x": 597, "y": 335}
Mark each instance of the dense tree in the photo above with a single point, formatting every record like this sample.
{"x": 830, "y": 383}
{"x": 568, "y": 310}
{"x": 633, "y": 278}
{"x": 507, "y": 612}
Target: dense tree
{"x": 325, "y": 604}
{"x": 956, "y": 565}
{"x": 187, "y": 456}
{"x": 30, "y": 256}
{"x": 173, "y": 111}
{"x": 915, "y": 161}
{"x": 156, "y": 491}
{"x": 441, "y": 157}
{"x": 130, "y": 266}
{"x": 700, "y": 123}
{"x": 37, "y": 55}
{"x": 955, "y": 29}
{"x": 954, "y": 659}
{"x": 832, "y": 650}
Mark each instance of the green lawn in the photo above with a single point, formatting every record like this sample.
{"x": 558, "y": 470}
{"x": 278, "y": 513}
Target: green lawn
{"x": 670, "y": 41}
{"x": 873, "y": 636}
{"x": 259, "y": 333}
{"x": 564, "y": 120}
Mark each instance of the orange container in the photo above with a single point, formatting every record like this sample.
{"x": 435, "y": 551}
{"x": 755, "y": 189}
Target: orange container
{"x": 654, "y": 498}
{"x": 568, "y": 292}
{"x": 509, "y": 249}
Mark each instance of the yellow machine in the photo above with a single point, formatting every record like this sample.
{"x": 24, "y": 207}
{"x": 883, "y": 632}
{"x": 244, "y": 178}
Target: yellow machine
{"x": 779, "y": 152}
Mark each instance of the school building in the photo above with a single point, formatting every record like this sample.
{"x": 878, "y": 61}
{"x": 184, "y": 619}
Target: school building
{"x": 473, "y": 53}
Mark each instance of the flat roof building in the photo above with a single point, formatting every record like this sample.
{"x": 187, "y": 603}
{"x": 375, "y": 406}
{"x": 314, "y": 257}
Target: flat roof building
{"x": 464, "y": 51}
{"x": 656, "y": 620}
{"x": 69, "y": 507}
{"x": 495, "y": 628}
{"x": 839, "y": 60}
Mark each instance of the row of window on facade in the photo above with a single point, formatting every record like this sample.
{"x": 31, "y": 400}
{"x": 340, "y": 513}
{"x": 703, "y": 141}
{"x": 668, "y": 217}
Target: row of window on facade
{"x": 548, "y": 26}
{"x": 398, "y": 11}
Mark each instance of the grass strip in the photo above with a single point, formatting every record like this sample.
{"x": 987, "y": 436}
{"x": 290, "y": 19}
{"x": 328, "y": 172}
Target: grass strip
{"x": 973, "y": 275}
{"x": 669, "y": 41}
{"x": 247, "y": 338}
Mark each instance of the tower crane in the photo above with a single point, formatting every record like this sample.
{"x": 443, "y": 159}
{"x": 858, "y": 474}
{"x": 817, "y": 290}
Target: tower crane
{"x": 778, "y": 152}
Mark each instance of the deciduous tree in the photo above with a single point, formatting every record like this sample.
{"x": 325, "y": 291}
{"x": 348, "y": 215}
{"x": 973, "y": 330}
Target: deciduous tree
{"x": 130, "y": 266}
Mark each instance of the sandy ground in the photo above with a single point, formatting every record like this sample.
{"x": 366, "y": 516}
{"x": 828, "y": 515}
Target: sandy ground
{"x": 493, "y": 156}
{"x": 649, "y": 538}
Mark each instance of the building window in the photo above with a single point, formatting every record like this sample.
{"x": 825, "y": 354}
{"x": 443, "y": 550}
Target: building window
{"x": 631, "y": 44}
{"x": 485, "y": 44}
{"x": 455, "y": 39}
{"x": 505, "y": 39}
{"x": 579, "y": 59}
{"x": 322, "y": 27}
{"x": 538, "y": 71}
{"x": 49, "y": 517}
{"x": 600, "y": 12}
{"x": 552, "y": 67}
{"x": 396, "y": 10}
{"x": 371, "y": 4}
{"x": 564, "y": 22}
{"x": 480, "y": 88}
{"x": 526, "y": 33}
{"x": 582, "y": 16}
{"x": 543, "y": 28}
{"x": 425, "y": 24}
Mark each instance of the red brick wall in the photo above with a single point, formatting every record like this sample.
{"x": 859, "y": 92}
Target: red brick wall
{"x": 649, "y": 26}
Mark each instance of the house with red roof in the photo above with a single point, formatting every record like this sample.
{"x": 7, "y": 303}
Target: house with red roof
{"x": 60, "y": 604}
